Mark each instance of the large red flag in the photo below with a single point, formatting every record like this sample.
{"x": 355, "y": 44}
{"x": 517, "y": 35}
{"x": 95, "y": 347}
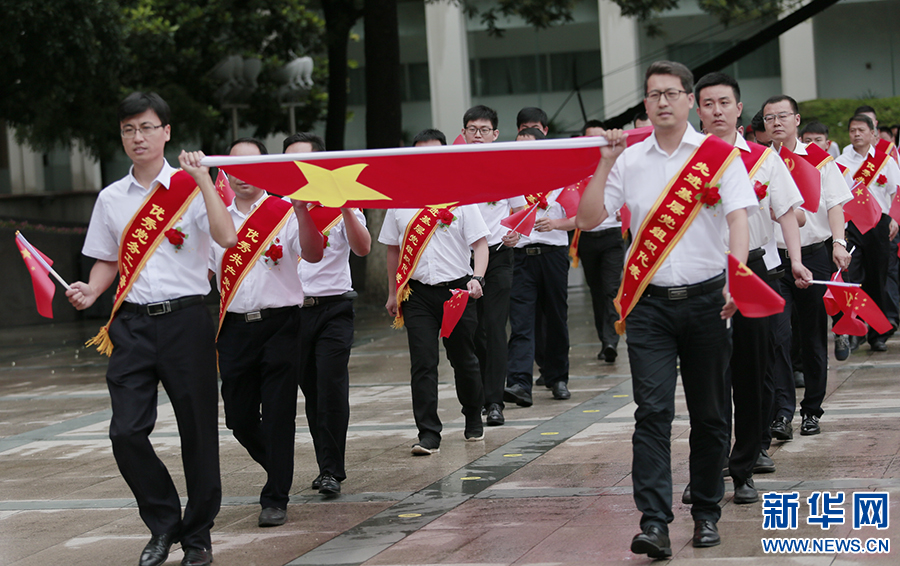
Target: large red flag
{"x": 522, "y": 221}
{"x": 453, "y": 311}
{"x": 752, "y": 296}
{"x": 863, "y": 210}
{"x": 413, "y": 177}
{"x": 855, "y": 301}
{"x": 223, "y": 187}
{"x": 806, "y": 176}
{"x": 44, "y": 288}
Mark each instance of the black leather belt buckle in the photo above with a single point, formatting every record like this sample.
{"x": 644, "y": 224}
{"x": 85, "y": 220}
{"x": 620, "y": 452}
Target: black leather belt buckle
{"x": 254, "y": 316}
{"x": 677, "y": 293}
{"x": 532, "y": 251}
{"x": 155, "y": 309}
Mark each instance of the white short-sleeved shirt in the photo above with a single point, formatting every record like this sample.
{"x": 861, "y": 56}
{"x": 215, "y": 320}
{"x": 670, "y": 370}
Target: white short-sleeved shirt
{"x": 169, "y": 273}
{"x": 834, "y": 193}
{"x": 331, "y": 276}
{"x": 266, "y": 285}
{"x": 554, "y": 211}
{"x": 638, "y": 177}
{"x": 447, "y": 255}
{"x": 782, "y": 196}
{"x": 494, "y": 212}
{"x": 883, "y": 193}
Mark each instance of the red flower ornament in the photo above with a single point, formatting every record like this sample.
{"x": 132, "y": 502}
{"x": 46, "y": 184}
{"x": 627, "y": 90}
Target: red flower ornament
{"x": 274, "y": 253}
{"x": 176, "y": 237}
{"x": 710, "y": 197}
{"x": 446, "y": 217}
{"x": 542, "y": 203}
{"x": 761, "y": 190}
{"x": 881, "y": 180}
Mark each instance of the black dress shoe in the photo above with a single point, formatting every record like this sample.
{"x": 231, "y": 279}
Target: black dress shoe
{"x": 653, "y": 542}
{"x": 810, "y": 426}
{"x": 495, "y": 415}
{"x": 706, "y": 534}
{"x": 686, "y": 494}
{"x": 317, "y": 483}
{"x": 330, "y": 486}
{"x": 540, "y": 381}
{"x": 799, "y": 380}
{"x": 474, "y": 428}
{"x": 609, "y": 354}
{"x": 561, "y": 391}
{"x": 878, "y": 346}
{"x": 781, "y": 429}
{"x": 197, "y": 557}
{"x": 764, "y": 464}
{"x": 157, "y": 550}
{"x": 855, "y": 342}
{"x": 745, "y": 492}
{"x": 272, "y": 517}
{"x": 517, "y": 394}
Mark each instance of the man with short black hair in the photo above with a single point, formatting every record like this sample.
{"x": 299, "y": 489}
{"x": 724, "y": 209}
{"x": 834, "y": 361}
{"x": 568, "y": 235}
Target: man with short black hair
{"x": 641, "y": 120}
{"x": 532, "y": 117}
{"x": 427, "y": 135}
{"x": 816, "y": 132}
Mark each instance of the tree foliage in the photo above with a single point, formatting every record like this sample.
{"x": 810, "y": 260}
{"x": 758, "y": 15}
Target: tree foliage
{"x": 836, "y": 113}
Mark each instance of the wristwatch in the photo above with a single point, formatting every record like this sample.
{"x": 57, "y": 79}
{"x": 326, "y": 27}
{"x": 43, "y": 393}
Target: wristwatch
{"x": 480, "y": 280}
{"x": 841, "y": 242}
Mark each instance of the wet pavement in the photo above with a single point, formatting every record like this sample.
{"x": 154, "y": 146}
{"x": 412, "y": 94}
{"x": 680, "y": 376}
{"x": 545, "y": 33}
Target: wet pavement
{"x": 551, "y": 486}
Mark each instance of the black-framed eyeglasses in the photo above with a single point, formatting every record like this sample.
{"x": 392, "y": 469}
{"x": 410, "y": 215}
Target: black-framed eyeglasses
{"x": 145, "y": 130}
{"x": 671, "y": 95}
{"x": 781, "y": 117}
{"x": 472, "y": 130}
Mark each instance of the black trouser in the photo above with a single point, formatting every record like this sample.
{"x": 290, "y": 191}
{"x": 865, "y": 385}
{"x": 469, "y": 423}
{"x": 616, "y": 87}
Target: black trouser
{"x": 259, "y": 368}
{"x": 660, "y": 332}
{"x": 602, "y": 256}
{"x": 493, "y": 313}
{"x": 813, "y": 338}
{"x": 177, "y": 349}
{"x": 891, "y": 288}
{"x": 746, "y": 374}
{"x": 422, "y": 315}
{"x": 775, "y": 349}
{"x": 326, "y": 335}
{"x": 869, "y": 263}
{"x": 541, "y": 283}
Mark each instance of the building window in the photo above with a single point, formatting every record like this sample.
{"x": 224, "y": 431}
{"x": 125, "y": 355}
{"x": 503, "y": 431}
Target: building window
{"x": 528, "y": 74}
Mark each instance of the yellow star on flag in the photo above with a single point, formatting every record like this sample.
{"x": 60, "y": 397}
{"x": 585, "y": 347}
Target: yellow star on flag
{"x": 334, "y": 188}
{"x": 25, "y": 254}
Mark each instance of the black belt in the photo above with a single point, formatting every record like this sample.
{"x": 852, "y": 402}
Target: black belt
{"x": 461, "y": 282}
{"x": 804, "y": 251}
{"x": 256, "y": 316}
{"x": 163, "y": 307}
{"x": 316, "y": 301}
{"x": 678, "y": 293}
{"x": 600, "y": 233}
{"x": 755, "y": 254}
{"x": 538, "y": 249}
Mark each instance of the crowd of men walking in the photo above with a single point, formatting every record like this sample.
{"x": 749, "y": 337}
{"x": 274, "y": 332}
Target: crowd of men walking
{"x": 286, "y": 310}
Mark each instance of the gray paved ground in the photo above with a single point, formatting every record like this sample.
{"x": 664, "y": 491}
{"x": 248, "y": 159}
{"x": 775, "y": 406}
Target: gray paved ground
{"x": 552, "y": 486}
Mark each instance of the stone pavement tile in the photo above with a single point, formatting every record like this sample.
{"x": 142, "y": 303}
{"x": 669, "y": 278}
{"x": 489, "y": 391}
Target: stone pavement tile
{"x": 426, "y": 547}
{"x": 584, "y": 545}
{"x": 502, "y": 544}
{"x": 523, "y": 513}
{"x": 608, "y": 511}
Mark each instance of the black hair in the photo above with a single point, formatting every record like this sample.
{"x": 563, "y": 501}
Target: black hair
{"x": 139, "y": 102}
{"x": 671, "y": 68}
{"x": 481, "y": 112}
{"x": 716, "y": 79}
{"x": 591, "y": 124}
{"x": 781, "y": 98}
{"x": 862, "y": 118}
{"x": 430, "y": 134}
{"x": 814, "y": 127}
{"x": 531, "y": 114}
{"x": 864, "y": 108}
{"x": 757, "y": 122}
{"x": 252, "y": 141}
{"x": 640, "y": 116}
{"x": 317, "y": 143}
{"x": 533, "y": 132}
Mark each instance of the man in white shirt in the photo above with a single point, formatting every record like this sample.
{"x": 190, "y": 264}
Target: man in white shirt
{"x": 871, "y": 259}
{"x": 681, "y": 314}
{"x": 161, "y": 331}
{"x": 439, "y": 266}
{"x": 782, "y": 118}
{"x": 258, "y": 338}
{"x": 480, "y": 125}
{"x": 326, "y": 331}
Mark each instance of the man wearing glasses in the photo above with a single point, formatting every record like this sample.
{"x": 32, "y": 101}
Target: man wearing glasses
{"x": 684, "y": 191}
{"x": 150, "y": 228}
{"x": 782, "y": 119}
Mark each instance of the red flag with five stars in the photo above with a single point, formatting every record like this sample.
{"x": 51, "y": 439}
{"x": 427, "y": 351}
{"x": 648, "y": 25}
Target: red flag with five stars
{"x": 44, "y": 288}
{"x": 223, "y": 187}
{"x": 862, "y": 210}
{"x": 522, "y": 221}
{"x": 453, "y": 311}
{"x": 853, "y": 301}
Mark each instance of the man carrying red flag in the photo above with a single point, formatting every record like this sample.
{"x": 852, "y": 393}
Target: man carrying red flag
{"x": 683, "y": 189}
{"x": 879, "y": 174}
{"x": 719, "y": 107}
{"x": 259, "y": 321}
{"x": 326, "y": 328}
{"x": 782, "y": 119}
{"x": 480, "y": 125}
{"x": 150, "y": 228}
{"x": 428, "y": 256}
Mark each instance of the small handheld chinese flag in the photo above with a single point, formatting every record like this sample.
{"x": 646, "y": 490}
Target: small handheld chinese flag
{"x": 459, "y": 140}
{"x": 895, "y": 207}
{"x": 453, "y": 311}
{"x": 854, "y": 301}
{"x": 223, "y": 187}
{"x": 831, "y": 305}
{"x": 862, "y": 210}
{"x": 522, "y": 221}
{"x": 849, "y": 324}
{"x": 752, "y": 296}
{"x": 570, "y": 196}
{"x": 625, "y": 213}
{"x": 44, "y": 288}
{"x": 806, "y": 176}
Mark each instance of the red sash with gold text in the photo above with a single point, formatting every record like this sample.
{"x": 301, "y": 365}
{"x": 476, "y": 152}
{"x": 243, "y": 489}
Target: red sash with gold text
{"x": 871, "y": 167}
{"x": 254, "y": 236}
{"x": 668, "y": 220}
{"x": 416, "y": 236}
{"x": 158, "y": 213}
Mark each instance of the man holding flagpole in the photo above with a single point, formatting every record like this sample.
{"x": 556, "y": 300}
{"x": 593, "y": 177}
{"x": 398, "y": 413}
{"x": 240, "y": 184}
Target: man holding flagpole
{"x": 151, "y": 229}
{"x": 683, "y": 189}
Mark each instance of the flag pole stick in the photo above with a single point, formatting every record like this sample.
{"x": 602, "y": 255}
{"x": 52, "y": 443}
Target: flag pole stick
{"x": 533, "y": 208}
{"x": 40, "y": 259}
